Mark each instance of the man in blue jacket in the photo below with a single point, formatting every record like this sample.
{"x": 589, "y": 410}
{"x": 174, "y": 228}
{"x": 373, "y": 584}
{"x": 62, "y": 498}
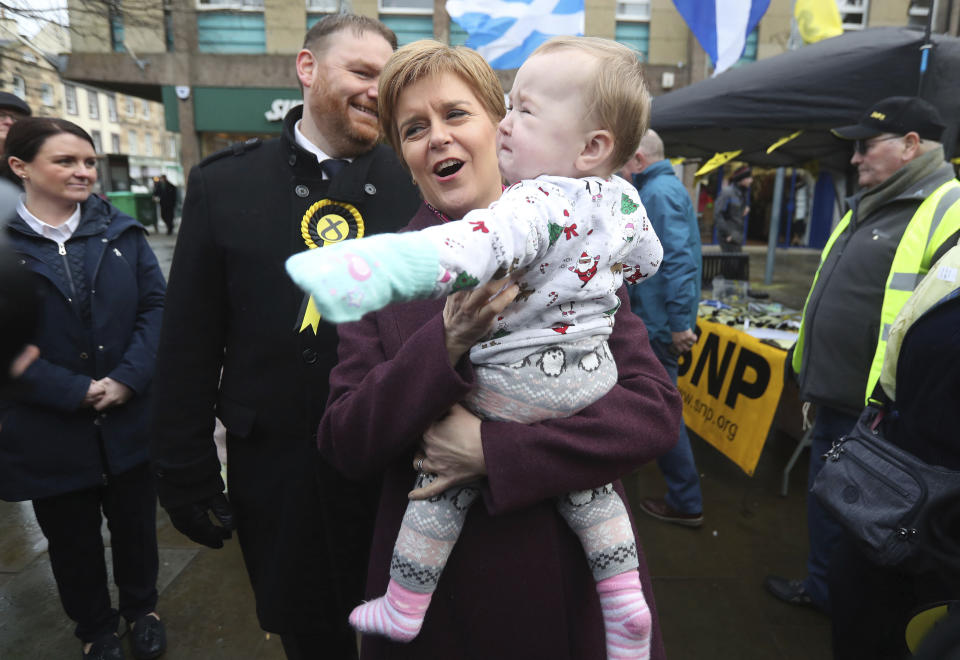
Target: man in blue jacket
{"x": 667, "y": 303}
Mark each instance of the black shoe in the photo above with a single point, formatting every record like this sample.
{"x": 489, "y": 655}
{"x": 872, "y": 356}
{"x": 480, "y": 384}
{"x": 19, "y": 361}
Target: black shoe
{"x": 148, "y": 637}
{"x": 106, "y": 648}
{"x": 789, "y": 591}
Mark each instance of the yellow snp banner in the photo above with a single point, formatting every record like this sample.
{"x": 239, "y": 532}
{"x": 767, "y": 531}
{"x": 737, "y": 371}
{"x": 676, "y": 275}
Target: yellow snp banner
{"x": 731, "y": 384}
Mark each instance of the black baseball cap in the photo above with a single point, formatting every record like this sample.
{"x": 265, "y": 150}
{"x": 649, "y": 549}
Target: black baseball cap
{"x": 896, "y": 114}
{"x": 14, "y": 102}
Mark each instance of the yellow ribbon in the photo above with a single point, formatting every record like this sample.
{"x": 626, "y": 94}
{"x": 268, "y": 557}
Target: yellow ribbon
{"x": 311, "y": 317}
{"x": 782, "y": 141}
{"x": 717, "y": 161}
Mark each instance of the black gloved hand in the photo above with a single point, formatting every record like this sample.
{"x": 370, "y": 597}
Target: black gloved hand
{"x": 193, "y": 520}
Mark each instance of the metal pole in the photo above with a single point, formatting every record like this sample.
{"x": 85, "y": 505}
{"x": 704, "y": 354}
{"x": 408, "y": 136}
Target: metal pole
{"x": 774, "y": 225}
{"x": 925, "y": 51}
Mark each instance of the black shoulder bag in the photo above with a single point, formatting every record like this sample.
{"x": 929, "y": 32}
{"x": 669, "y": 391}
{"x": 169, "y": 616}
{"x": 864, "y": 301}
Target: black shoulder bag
{"x": 884, "y": 495}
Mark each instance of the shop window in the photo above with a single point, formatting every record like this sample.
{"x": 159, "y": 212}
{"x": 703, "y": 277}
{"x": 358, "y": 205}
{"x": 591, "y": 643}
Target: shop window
{"x": 70, "y": 99}
{"x": 231, "y": 26}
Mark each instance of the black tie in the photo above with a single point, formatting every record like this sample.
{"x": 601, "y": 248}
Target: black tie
{"x": 333, "y": 166}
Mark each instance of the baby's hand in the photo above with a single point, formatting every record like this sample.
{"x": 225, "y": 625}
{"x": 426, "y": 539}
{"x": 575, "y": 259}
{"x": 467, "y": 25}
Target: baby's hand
{"x": 352, "y": 278}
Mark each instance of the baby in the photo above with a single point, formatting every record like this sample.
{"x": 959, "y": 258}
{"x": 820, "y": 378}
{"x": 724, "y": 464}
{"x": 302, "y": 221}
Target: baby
{"x": 569, "y": 233}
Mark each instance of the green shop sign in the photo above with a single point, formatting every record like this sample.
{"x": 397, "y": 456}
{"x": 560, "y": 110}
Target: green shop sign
{"x": 236, "y": 110}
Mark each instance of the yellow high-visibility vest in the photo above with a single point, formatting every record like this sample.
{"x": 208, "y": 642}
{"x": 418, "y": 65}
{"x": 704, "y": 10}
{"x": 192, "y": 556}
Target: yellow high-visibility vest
{"x": 935, "y": 221}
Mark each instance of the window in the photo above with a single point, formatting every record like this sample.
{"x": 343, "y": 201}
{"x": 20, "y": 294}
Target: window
{"x": 168, "y": 28}
{"x": 230, "y": 4}
{"x": 633, "y": 25}
{"x": 148, "y": 144}
{"x": 317, "y": 9}
{"x": 19, "y": 87}
{"x": 46, "y": 94}
{"x": 97, "y": 144}
{"x": 411, "y": 20}
{"x": 171, "y": 146}
{"x": 132, "y": 142}
{"x": 323, "y": 6}
{"x": 114, "y": 143}
{"x": 93, "y": 104}
{"x": 116, "y": 27}
{"x": 853, "y": 13}
{"x": 70, "y": 99}
{"x": 128, "y": 107}
{"x": 112, "y": 107}
{"x": 749, "y": 48}
{"x": 633, "y": 10}
{"x": 146, "y": 108}
{"x": 231, "y": 26}
{"x": 29, "y": 57}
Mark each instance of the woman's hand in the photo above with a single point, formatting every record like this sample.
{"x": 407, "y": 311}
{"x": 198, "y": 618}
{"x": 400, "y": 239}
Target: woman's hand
{"x": 452, "y": 450}
{"x": 114, "y": 394}
{"x": 468, "y": 315}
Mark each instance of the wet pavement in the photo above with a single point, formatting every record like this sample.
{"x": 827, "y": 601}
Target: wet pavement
{"x": 707, "y": 581}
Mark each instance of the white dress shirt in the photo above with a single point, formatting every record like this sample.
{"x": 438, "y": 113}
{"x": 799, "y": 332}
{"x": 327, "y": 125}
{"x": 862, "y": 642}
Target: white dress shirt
{"x": 60, "y": 234}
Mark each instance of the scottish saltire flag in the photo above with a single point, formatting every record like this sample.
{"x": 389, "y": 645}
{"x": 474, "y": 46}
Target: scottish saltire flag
{"x": 505, "y": 32}
{"x": 722, "y": 26}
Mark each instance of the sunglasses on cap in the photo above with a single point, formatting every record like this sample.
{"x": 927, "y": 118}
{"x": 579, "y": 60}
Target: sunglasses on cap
{"x": 863, "y": 146}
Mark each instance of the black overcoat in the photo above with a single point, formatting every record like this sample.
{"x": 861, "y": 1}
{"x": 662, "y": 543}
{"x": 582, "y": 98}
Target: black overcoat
{"x": 304, "y": 530}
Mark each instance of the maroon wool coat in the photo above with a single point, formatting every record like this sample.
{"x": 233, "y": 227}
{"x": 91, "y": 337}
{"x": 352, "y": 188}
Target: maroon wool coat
{"x": 517, "y": 584}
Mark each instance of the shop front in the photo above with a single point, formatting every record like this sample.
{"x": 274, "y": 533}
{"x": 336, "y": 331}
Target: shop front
{"x": 224, "y": 115}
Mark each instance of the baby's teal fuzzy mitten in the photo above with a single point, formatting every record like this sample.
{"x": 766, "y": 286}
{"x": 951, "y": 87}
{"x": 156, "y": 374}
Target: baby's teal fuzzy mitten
{"x": 352, "y": 278}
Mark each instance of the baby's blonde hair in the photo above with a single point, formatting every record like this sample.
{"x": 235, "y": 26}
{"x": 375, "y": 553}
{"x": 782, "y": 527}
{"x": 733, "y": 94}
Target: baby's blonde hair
{"x": 617, "y": 90}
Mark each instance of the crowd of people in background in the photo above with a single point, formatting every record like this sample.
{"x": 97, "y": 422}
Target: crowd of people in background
{"x": 110, "y": 380}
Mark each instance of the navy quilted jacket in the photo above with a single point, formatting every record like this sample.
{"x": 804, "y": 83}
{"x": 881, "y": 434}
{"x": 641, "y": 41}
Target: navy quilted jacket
{"x": 100, "y": 316}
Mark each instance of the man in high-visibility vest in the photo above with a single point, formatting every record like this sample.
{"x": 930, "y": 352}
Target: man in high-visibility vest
{"x": 905, "y": 216}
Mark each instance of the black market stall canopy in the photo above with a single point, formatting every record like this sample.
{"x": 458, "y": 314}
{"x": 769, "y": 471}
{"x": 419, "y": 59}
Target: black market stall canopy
{"x": 812, "y": 89}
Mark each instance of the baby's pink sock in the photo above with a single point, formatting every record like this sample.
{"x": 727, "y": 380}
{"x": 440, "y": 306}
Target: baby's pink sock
{"x": 626, "y": 618}
{"x": 397, "y": 615}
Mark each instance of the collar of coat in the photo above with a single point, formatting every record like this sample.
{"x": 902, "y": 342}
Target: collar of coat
{"x": 348, "y": 186}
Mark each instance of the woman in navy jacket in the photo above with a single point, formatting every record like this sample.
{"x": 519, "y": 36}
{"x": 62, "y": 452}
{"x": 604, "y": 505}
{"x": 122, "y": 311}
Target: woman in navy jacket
{"x": 73, "y": 434}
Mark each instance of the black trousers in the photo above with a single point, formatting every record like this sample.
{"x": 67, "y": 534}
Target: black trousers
{"x": 872, "y": 604}
{"x": 71, "y": 522}
{"x": 300, "y": 646}
{"x": 167, "y": 216}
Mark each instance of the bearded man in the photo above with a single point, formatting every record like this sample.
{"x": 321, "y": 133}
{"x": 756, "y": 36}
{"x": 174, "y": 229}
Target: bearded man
{"x": 242, "y": 343}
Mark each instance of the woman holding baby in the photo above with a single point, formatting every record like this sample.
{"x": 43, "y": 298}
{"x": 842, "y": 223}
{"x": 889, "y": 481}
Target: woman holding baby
{"x": 517, "y": 584}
